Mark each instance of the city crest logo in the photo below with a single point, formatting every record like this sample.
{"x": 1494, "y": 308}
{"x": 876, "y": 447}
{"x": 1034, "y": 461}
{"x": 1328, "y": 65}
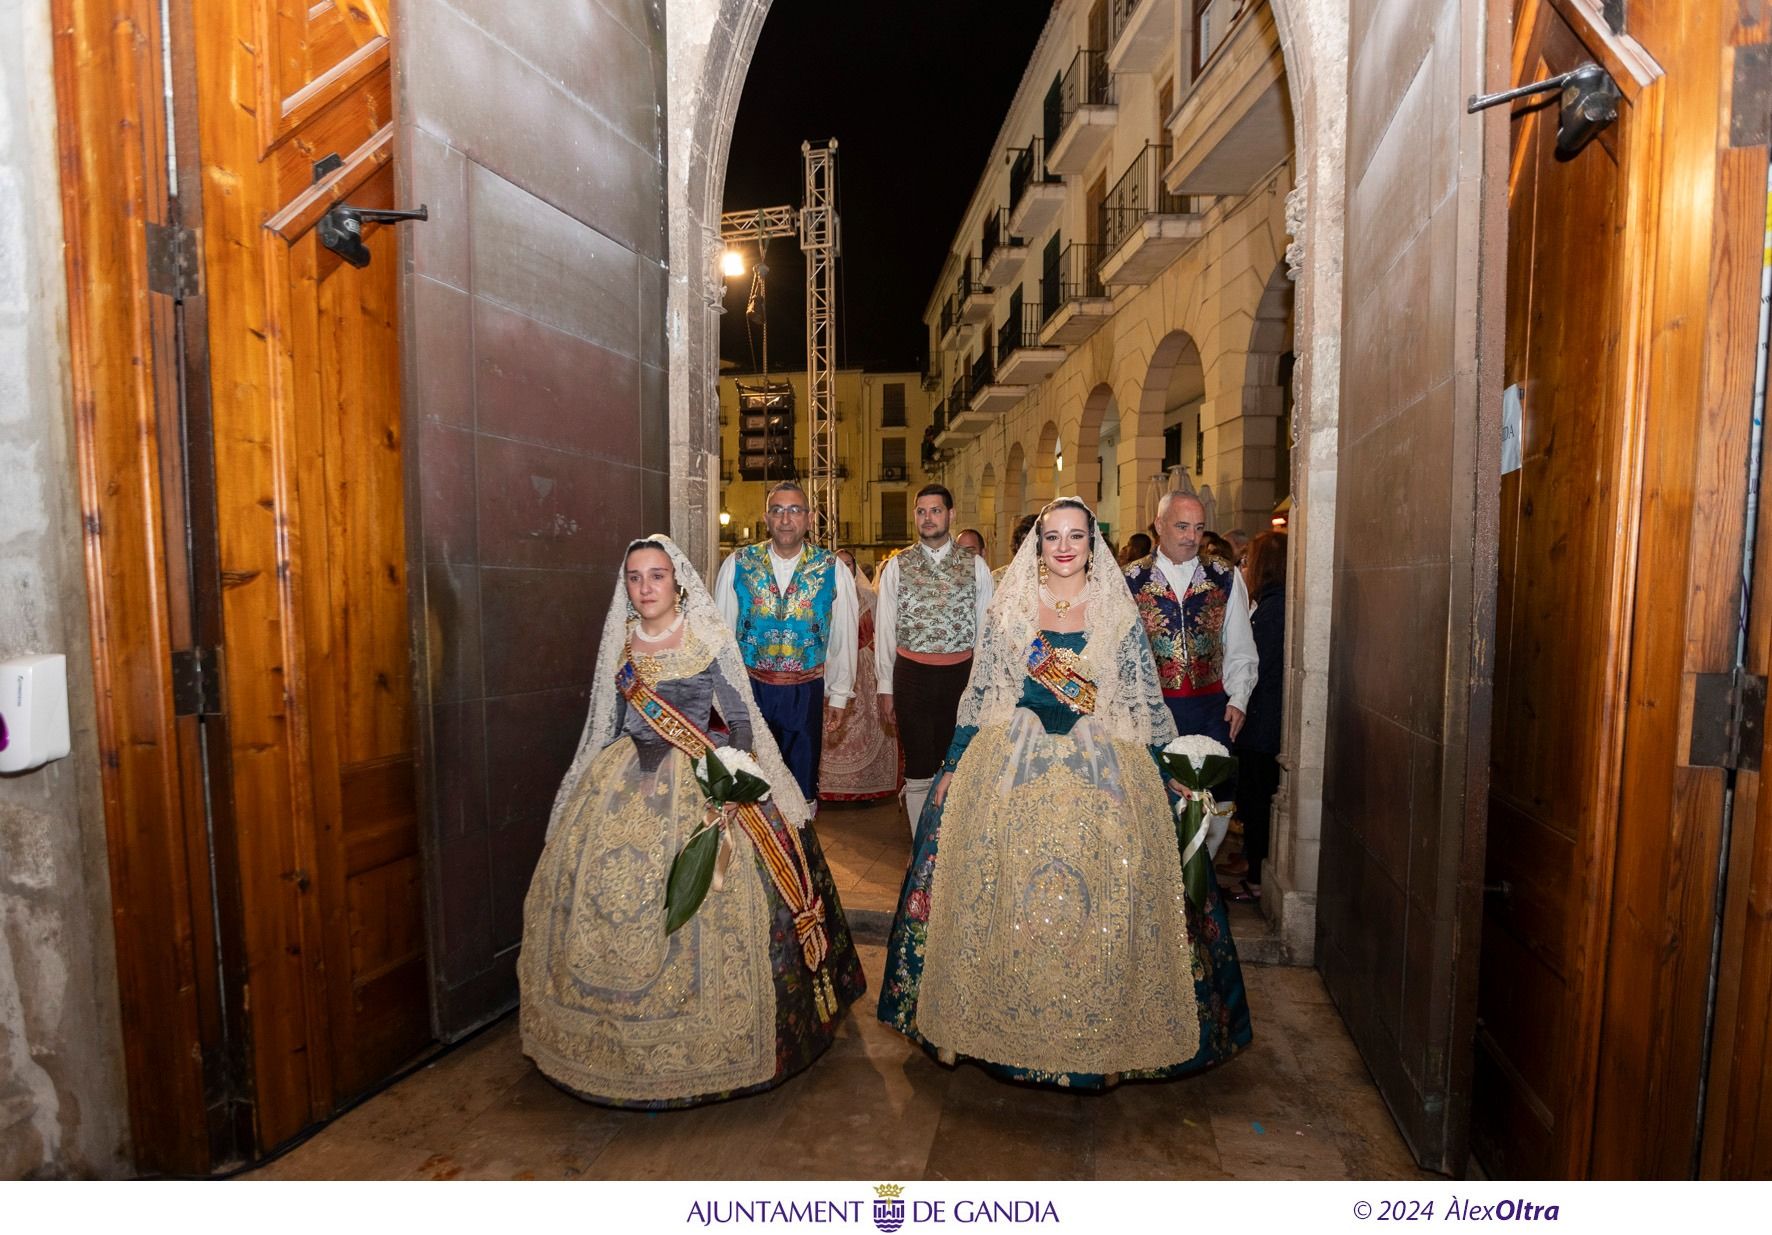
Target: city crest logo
{"x": 888, "y": 1207}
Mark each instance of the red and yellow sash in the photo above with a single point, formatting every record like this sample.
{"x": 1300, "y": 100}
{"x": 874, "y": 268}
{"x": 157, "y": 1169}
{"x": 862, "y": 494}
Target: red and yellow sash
{"x": 777, "y": 843}
{"x": 1055, "y": 668}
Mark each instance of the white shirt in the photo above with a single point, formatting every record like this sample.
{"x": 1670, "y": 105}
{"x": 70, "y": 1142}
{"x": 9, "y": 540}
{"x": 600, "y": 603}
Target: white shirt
{"x": 1242, "y": 666}
{"x": 886, "y": 607}
{"x": 839, "y": 650}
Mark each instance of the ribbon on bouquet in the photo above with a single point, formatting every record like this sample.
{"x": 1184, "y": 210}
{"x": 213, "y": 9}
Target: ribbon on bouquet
{"x": 1196, "y": 852}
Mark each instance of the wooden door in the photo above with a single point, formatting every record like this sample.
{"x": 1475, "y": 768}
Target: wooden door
{"x": 1631, "y": 327}
{"x": 294, "y": 113}
{"x": 1558, "y": 621}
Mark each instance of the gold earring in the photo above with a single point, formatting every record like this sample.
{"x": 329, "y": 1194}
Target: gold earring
{"x": 681, "y": 592}
{"x": 1042, "y": 570}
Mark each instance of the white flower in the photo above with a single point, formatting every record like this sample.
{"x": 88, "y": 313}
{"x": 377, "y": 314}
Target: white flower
{"x": 1195, "y": 747}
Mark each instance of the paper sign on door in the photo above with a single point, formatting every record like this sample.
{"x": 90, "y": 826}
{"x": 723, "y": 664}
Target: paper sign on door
{"x": 1512, "y": 422}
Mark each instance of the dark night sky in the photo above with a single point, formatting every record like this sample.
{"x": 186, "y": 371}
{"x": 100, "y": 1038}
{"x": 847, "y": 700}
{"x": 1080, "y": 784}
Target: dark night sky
{"x": 914, "y": 92}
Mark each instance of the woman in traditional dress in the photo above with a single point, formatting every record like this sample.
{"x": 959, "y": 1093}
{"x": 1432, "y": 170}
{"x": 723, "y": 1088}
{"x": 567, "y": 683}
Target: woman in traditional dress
{"x": 1043, "y": 930}
{"x": 748, "y": 991}
{"x": 860, "y": 756}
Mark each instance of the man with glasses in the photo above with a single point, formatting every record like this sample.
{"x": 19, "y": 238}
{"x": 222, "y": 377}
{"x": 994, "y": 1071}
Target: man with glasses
{"x": 794, "y": 610}
{"x": 932, "y": 598}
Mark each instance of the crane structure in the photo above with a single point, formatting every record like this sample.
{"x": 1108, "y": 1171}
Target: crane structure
{"x": 817, "y": 227}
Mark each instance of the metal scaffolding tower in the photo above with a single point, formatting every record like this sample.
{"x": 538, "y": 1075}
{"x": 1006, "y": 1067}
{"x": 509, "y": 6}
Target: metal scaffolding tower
{"x": 819, "y": 241}
{"x": 817, "y": 225}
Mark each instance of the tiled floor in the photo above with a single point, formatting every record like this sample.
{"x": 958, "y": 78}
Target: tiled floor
{"x": 1297, "y": 1104}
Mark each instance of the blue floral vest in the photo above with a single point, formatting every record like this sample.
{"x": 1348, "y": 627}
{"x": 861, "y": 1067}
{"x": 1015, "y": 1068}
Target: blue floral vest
{"x": 1187, "y": 634}
{"x": 783, "y": 635}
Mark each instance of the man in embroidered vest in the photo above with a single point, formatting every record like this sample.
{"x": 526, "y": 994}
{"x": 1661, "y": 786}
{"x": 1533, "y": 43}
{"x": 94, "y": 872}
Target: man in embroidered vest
{"x": 794, "y": 610}
{"x": 932, "y": 598}
{"x": 1196, "y": 611}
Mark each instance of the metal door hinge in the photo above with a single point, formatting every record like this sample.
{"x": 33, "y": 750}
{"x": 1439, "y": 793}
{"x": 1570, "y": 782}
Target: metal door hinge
{"x": 174, "y": 263}
{"x": 1750, "y": 106}
{"x": 1728, "y": 720}
{"x": 196, "y": 682}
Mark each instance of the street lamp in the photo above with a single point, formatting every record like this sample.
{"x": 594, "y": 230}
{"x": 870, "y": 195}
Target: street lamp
{"x": 732, "y": 264}
{"x": 725, "y": 518}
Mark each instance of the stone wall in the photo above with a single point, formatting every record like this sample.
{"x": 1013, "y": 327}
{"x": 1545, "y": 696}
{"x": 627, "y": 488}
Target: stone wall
{"x": 62, "y": 1103}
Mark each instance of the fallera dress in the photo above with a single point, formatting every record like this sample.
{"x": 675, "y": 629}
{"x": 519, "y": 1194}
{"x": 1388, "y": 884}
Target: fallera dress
{"x": 1042, "y": 930}
{"x": 612, "y": 1008}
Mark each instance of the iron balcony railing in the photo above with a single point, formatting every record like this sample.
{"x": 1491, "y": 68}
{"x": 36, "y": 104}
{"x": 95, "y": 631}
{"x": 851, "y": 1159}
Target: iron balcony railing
{"x": 1074, "y": 275}
{"x": 1138, "y": 195}
{"x": 957, "y": 393}
{"x": 1028, "y": 167}
{"x": 1086, "y": 83}
{"x": 983, "y": 369}
{"x": 1022, "y": 331}
{"x": 893, "y": 531}
{"x": 1122, "y": 14}
{"x": 948, "y": 310}
{"x": 967, "y": 283}
{"x": 940, "y": 418}
{"x": 997, "y": 234}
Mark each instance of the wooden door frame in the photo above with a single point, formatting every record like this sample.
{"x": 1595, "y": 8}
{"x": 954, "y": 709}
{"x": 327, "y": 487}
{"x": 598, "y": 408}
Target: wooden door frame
{"x": 180, "y": 976}
{"x": 1679, "y": 515}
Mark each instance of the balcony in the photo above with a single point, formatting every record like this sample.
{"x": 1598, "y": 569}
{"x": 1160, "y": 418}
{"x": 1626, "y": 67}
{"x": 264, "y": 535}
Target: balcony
{"x": 974, "y": 299}
{"x": 1235, "y": 126}
{"x": 1142, "y": 32}
{"x": 1144, "y": 226}
{"x": 1085, "y": 117}
{"x": 958, "y": 395}
{"x": 939, "y": 418}
{"x": 1002, "y": 253}
{"x": 981, "y": 399}
{"x": 1022, "y": 360}
{"x": 1074, "y": 299}
{"x": 1035, "y": 195}
{"x": 953, "y": 327}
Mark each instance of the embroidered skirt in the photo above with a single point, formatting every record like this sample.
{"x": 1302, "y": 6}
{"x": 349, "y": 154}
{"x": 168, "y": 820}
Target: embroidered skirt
{"x": 620, "y": 1013}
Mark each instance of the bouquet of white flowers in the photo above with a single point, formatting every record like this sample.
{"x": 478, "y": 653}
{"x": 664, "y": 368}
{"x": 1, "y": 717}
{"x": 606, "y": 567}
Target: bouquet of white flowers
{"x": 1198, "y": 764}
{"x": 729, "y": 779}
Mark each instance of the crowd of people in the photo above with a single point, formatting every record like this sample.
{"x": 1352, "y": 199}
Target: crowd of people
{"x": 1044, "y": 930}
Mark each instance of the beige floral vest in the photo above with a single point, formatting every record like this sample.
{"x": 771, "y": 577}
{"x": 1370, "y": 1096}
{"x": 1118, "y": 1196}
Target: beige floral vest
{"x": 936, "y": 601}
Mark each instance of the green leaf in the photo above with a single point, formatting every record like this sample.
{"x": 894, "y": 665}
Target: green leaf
{"x": 747, "y": 788}
{"x": 1216, "y": 770}
{"x": 692, "y": 873}
{"x": 715, "y": 780}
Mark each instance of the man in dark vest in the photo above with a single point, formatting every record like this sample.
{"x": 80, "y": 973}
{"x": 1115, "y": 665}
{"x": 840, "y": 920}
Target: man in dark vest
{"x": 1196, "y": 611}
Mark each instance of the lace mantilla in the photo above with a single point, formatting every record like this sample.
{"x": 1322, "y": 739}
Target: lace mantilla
{"x": 1116, "y": 655}
{"x": 705, "y": 638}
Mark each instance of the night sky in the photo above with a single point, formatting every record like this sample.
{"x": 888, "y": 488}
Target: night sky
{"x": 914, "y": 92}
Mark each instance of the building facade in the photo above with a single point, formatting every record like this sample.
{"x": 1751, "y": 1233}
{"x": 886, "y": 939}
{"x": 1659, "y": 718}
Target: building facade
{"x": 1115, "y": 317}
{"x": 882, "y": 419}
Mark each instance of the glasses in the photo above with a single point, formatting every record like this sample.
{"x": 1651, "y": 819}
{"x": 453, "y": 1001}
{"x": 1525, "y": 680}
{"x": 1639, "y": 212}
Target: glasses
{"x": 776, "y": 512}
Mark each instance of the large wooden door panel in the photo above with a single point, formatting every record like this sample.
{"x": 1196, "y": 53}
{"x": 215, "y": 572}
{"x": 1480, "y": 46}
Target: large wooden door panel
{"x": 305, "y": 365}
{"x": 1558, "y": 613}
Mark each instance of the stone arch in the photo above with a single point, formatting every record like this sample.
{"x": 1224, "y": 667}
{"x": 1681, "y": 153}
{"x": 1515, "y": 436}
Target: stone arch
{"x": 1014, "y": 491}
{"x": 709, "y": 44}
{"x": 1266, "y": 401}
{"x": 1045, "y": 471}
{"x": 1171, "y": 398}
{"x": 1084, "y": 477}
{"x": 986, "y": 511}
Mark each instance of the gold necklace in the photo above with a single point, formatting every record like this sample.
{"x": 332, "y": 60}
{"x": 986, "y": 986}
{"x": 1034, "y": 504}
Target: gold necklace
{"x": 1060, "y": 607}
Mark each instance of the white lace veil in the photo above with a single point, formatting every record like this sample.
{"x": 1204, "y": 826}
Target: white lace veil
{"x": 1116, "y": 654}
{"x": 702, "y": 622}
